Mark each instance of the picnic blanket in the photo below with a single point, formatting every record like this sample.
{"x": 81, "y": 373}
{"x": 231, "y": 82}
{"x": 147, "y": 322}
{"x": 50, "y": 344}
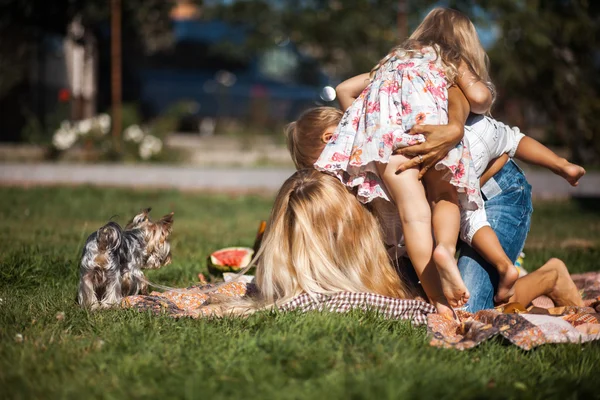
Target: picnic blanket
{"x": 187, "y": 302}
{"x": 540, "y": 324}
{"x": 543, "y": 323}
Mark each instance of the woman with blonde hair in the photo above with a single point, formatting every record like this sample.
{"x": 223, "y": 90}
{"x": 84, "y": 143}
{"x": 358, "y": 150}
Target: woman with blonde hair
{"x": 319, "y": 240}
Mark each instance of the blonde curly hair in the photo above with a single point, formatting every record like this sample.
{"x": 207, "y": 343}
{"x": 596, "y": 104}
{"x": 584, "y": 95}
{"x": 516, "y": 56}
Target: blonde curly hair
{"x": 455, "y": 39}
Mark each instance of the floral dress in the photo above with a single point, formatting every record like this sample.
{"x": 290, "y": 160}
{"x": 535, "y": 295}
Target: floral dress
{"x": 406, "y": 90}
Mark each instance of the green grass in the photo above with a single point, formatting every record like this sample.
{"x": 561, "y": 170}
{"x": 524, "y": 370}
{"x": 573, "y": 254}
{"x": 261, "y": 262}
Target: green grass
{"x": 127, "y": 354}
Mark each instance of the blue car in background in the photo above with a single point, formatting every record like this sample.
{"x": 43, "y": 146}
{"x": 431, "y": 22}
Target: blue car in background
{"x": 208, "y": 70}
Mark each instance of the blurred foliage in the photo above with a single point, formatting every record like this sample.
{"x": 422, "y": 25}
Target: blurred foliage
{"x": 346, "y": 37}
{"x": 24, "y": 22}
{"x": 545, "y": 59}
{"x": 36, "y": 132}
{"x": 90, "y": 139}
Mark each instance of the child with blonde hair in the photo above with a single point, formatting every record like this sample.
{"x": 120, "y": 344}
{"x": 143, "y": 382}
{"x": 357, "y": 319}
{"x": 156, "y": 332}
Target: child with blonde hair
{"x": 410, "y": 87}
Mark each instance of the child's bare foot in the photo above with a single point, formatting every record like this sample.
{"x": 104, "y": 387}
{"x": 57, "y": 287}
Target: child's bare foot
{"x": 506, "y": 284}
{"x": 564, "y": 293}
{"x": 443, "y": 309}
{"x": 452, "y": 284}
{"x": 572, "y": 173}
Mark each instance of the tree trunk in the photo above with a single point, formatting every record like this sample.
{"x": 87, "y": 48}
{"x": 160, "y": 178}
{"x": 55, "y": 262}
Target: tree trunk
{"x": 115, "y": 38}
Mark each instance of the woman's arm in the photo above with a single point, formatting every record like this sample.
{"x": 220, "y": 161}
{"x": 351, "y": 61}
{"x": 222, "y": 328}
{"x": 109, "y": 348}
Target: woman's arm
{"x": 477, "y": 93}
{"x": 350, "y": 89}
{"x": 440, "y": 138}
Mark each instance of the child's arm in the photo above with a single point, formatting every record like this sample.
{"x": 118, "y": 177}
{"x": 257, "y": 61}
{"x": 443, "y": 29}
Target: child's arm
{"x": 493, "y": 168}
{"x": 350, "y": 89}
{"x": 479, "y": 95}
{"x": 533, "y": 152}
{"x": 514, "y": 143}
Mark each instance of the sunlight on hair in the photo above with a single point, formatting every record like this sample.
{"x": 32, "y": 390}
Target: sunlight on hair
{"x": 304, "y": 135}
{"x": 319, "y": 240}
{"x": 454, "y": 37}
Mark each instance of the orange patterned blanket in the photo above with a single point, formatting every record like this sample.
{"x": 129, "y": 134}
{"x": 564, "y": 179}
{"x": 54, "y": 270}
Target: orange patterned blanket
{"x": 526, "y": 329}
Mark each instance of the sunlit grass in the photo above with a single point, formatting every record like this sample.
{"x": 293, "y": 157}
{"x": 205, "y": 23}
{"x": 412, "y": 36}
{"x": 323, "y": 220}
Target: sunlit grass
{"x": 127, "y": 354}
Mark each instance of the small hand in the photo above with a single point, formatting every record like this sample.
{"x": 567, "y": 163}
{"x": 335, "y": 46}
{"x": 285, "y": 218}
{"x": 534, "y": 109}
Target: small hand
{"x": 439, "y": 140}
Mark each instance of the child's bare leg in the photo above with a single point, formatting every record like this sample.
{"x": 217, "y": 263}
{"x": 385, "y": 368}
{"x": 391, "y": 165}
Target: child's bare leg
{"x": 553, "y": 280}
{"x": 409, "y": 194}
{"x": 533, "y": 152}
{"x": 486, "y": 243}
{"x": 446, "y": 226}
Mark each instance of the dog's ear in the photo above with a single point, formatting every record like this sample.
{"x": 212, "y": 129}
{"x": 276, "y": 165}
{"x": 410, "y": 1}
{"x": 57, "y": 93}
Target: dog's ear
{"x": 139, "y": 219}
{"x": 167, "y": 222}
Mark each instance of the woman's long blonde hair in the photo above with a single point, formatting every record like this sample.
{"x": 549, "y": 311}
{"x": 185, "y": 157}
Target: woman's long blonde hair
{"x": 304, "y": 136}
{"x": 319, "y": 240}
{"x": 454, "y": 36}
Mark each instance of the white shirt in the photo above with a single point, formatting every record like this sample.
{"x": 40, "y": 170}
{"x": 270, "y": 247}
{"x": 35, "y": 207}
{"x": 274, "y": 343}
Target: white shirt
{"x": 488, "y": 139}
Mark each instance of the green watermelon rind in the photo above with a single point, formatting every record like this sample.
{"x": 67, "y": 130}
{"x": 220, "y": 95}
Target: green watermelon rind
{"x": 216, "y": 269}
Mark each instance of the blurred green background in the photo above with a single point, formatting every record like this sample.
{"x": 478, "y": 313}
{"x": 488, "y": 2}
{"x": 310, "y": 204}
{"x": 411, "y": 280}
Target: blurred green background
{"x": 244, "y": 68}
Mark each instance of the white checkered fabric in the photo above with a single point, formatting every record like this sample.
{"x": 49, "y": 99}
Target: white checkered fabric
{"x": 389, "y": 307}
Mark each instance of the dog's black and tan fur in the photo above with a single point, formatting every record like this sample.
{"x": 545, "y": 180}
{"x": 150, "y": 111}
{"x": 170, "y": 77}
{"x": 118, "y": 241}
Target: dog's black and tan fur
{"x": 113, "y": 259}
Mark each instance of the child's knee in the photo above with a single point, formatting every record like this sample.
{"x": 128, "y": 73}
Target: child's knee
{"x": 449, "y": 247}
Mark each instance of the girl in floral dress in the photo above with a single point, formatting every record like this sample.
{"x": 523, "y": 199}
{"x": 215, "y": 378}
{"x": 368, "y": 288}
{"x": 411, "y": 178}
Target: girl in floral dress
{"x": 410, "y": 86}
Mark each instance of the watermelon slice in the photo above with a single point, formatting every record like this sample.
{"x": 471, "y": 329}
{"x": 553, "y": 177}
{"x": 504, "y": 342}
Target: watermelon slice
{"x": 230, "y": 259}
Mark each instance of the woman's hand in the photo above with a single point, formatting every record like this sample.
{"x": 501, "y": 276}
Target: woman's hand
{"x": 439, "y": 140}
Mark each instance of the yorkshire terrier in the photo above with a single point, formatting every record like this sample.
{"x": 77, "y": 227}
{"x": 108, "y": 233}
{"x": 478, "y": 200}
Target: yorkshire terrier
{"x": 113, "y": 259}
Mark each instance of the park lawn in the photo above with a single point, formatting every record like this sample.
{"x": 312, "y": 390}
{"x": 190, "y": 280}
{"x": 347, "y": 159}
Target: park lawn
{"x": 128, "y": 354}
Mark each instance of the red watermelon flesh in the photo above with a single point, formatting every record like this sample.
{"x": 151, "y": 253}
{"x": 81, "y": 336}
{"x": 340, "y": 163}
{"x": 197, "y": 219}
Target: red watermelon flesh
{"x": 231, "y": 259}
